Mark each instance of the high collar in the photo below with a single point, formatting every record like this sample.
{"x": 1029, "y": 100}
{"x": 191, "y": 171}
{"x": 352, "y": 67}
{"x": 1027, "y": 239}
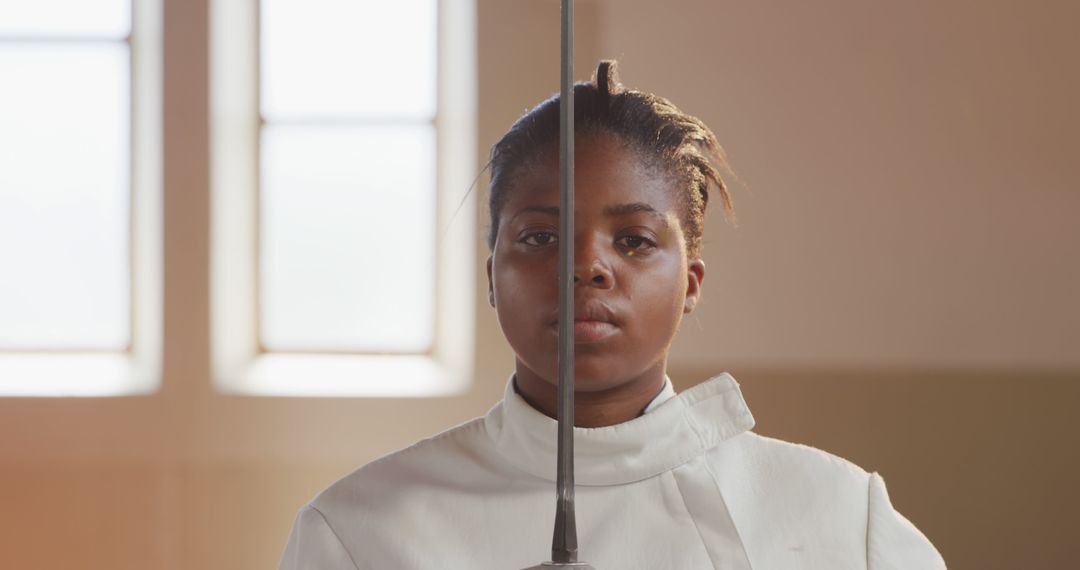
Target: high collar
{"x": 683, "y": 427}
{"x": 666, "y": 393}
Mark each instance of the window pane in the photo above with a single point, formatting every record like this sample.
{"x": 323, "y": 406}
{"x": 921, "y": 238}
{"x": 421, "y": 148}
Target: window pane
{"x": 347, "y": 238}
{"x": 347, "y": 58}
{"x": 64, "y": 192}
{"x": 104, "y": 18}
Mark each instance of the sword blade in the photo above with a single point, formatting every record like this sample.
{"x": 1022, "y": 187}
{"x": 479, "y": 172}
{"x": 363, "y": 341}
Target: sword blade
{"x": 564, "y": 545}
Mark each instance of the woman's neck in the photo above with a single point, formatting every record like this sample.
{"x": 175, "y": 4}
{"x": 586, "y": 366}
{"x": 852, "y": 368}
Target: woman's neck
{"x": 597, "y": 408}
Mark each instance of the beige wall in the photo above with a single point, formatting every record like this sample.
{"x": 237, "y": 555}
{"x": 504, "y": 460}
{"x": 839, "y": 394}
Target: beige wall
{"x": 900, "y": 290}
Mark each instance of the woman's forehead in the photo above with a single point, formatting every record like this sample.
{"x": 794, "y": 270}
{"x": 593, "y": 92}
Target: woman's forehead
{"x": 609, "y": 178}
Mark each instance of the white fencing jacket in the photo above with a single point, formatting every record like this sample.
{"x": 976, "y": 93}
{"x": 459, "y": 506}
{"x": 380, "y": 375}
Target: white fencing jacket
{"x": 684, "y": 486}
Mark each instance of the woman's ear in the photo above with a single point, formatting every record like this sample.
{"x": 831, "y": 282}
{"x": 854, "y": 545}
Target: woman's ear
{"x": 695, "y": 275}
{"x": 491, "y": 290}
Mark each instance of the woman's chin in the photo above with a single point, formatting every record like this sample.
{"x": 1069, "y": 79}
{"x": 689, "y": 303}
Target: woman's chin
{"x": 594, "y": 378}
{"x": 593, "y": 372}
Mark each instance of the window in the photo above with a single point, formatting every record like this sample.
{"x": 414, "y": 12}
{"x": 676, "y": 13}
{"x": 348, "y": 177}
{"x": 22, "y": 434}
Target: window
{"x": 347, "y": 176}
{"x": 79, "y": 233}
{"x": 342, "y": 140}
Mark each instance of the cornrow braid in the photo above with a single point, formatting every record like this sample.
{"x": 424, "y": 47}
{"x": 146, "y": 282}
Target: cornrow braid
{"x": 673, "y": 143}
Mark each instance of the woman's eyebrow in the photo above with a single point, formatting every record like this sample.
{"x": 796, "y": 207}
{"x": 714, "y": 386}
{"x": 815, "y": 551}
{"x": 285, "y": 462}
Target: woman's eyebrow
{"x": 617, "y": 210}
{"x": 549, "y": 210}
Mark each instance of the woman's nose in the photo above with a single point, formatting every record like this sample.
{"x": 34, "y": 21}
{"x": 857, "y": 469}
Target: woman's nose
{"x": 590, "y": 268}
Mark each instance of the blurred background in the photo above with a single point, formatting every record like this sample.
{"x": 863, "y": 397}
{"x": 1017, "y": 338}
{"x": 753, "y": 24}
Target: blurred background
{"x": 233, "y": 266}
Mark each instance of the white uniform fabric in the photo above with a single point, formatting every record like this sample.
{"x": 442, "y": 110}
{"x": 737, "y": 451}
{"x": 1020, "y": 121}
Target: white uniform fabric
{"x": 684, "y": 486}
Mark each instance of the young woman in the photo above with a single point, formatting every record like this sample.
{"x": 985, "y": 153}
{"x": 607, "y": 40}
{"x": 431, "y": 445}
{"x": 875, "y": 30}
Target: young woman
{"x": 664, "y": 481}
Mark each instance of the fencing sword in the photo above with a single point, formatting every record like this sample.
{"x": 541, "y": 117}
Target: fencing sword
{"x": 564, "y": 547}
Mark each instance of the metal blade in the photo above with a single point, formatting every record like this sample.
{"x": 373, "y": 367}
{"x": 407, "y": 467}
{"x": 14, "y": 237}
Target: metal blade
{"x": 578, "y": 565}
{"x": 564, "y": 545}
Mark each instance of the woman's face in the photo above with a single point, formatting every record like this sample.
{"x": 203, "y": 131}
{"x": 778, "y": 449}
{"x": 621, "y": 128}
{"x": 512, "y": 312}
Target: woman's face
{"x": 633, "y": 281}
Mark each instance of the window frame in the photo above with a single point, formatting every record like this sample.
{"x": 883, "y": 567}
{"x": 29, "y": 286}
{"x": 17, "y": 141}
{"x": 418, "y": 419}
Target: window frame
{"x": 136, "y": 370}
{"x": 239, "y": 364}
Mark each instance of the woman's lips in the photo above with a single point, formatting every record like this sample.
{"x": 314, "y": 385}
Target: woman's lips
{"x": 589, "y": 332}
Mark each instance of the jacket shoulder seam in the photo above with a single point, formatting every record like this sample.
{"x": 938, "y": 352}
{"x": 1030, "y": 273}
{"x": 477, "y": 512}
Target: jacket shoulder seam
{"x": 336, "y": 535}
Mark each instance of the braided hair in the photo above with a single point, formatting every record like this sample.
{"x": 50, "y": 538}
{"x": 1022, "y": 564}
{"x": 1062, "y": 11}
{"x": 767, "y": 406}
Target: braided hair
{"x": 671, "y": 142}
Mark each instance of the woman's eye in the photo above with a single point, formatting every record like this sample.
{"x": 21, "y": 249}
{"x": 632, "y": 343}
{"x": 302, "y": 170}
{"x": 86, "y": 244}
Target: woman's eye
{"x": 635, "y": 243}
{"x": 540, "y": 238}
